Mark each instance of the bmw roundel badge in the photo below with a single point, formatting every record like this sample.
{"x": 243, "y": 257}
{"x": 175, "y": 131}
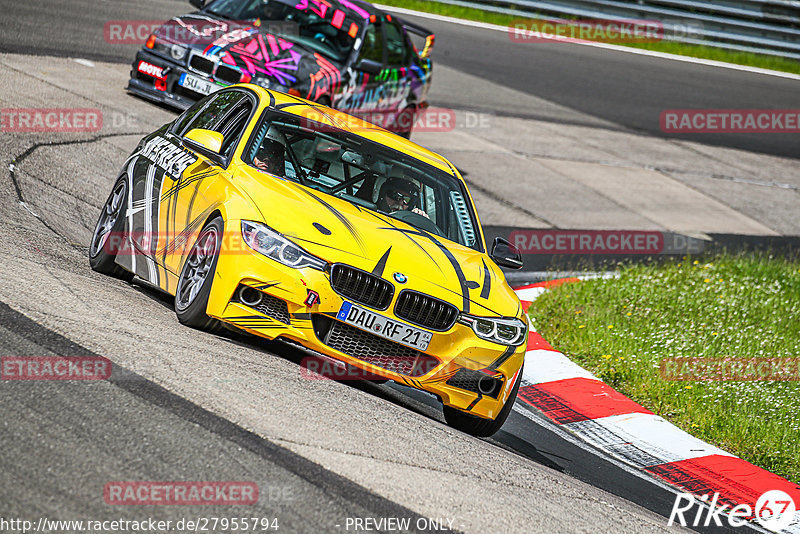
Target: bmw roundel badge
{"x": 400, "y": 278}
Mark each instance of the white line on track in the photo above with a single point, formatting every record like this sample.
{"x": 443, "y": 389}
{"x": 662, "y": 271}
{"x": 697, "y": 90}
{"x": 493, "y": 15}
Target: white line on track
{"x": 617, "y": 48}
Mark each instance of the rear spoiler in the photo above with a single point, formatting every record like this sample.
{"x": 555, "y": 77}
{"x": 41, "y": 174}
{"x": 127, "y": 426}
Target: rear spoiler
{"x": 422, "y": 32}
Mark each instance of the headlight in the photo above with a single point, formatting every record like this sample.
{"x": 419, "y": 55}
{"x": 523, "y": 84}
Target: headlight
{"x": 177, "y": 52}
{"x": 273, "y": 245}
{"x": 503, "y": 331}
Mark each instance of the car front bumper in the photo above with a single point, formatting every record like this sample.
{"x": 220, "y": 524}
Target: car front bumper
{"x": 165, "y": 89}
{"x": 464, "y": 371}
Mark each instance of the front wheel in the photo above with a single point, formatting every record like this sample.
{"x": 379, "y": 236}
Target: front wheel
{"x": 197, "y": 276}
{"x": 108, "y": 236}
{"x": 478, "y": 426}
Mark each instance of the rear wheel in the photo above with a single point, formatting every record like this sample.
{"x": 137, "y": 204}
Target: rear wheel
{"x": 108, "y": 236}
{"x": 478, "y": 426}
{"x": 197, "y": 276}
{"x": 405, "y": 121}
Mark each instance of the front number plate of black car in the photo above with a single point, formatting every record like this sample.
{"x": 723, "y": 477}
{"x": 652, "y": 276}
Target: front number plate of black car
{"x": 381, "y": 326}
{"x": 198, "y": 85}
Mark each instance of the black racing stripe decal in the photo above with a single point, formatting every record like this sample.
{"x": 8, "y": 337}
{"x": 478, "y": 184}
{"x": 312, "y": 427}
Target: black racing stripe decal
{"x": 191, "y": 227}
{"x": 339, "y": 215}
{"x": 462, "y": 280}
{"x": 472, "y": 301}
{"x": 295, "y": 238}
{"x": 503, "y": 357}
{"x": 487, "y": 281}
{"x": 472, "y": 405}
{"x": 266, "y": 285}
{"x": 381, "y": 265}
{"x": 390, "y": 223}
{"x": 181, "y": 183}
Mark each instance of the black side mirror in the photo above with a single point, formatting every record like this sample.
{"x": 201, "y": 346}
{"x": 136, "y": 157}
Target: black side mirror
{"x": 505, "y": 254}
{"x": 198, "y": 3}
{"x": 369, "y": 66}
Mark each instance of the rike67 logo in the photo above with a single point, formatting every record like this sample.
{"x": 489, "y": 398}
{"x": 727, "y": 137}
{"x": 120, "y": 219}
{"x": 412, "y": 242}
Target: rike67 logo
{"x": 774, "y": 510}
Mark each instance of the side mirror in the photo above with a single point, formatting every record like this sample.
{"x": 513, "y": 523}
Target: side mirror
{"x": 206, "y": 142}
{"x": 505, "y": 254}
{"x": 198, "y": 3}
{"x": 369, "y": 66}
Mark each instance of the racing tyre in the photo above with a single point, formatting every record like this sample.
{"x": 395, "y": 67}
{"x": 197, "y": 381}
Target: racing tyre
{"x": 108, "y": 233}
{"x": 197, "y": 275}
{"x": 405, "y": 120}
{"x": 478, "y": 426}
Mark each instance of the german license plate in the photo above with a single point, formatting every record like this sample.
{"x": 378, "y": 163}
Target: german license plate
{"x": 198, "y": 85}
{"x": 381, "y": 326}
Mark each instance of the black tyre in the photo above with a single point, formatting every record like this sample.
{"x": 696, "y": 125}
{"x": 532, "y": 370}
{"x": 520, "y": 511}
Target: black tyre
{"x": 197, "y": 276}
{"x": 405, "y": 121}
{"x": 108, "y": 236}
{"x": 478, "y": 426}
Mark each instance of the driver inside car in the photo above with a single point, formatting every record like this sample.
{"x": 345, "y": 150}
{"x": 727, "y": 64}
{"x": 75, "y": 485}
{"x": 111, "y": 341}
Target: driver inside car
{"x": 271, "y": 158}
{"x": 400, "y": 194}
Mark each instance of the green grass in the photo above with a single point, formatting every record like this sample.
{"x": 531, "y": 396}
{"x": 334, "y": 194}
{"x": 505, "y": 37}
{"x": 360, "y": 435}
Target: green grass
{"x": 698, "y": 51}
{"x": 741, "y": 306}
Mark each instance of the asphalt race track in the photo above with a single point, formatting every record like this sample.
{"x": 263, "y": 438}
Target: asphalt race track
{"x": 187, "y": 405}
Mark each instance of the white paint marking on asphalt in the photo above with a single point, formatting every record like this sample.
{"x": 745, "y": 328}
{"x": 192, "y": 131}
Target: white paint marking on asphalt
{"x": 24, "y": 205}
{"x": 618, "y": 48}
{"x": 84, "y": 62}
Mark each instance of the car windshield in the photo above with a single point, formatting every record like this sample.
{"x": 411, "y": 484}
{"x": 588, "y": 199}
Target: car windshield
{"x": 331, "y": 31}
{"x": 364, "y": 173}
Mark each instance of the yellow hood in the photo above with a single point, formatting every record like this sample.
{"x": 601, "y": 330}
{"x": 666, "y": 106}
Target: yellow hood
{"x": 339, "y": 231}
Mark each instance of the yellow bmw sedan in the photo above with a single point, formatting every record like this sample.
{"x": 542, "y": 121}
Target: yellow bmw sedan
{"x": 268, "y": 213}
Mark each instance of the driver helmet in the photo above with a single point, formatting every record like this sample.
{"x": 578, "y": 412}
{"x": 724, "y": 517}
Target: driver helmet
{"x": 401, "y": 190}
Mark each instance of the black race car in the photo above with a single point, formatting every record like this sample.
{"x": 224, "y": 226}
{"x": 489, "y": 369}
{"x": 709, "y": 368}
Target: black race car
{"x": 344, "y": 53}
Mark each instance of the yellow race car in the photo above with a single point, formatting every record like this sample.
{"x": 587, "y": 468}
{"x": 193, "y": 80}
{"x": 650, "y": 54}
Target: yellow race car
{"x": 287, "y": 219}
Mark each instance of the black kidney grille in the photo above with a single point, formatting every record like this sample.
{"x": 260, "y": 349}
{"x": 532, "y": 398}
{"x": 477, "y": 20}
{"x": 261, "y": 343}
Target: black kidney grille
{"x": 361, "y": 286}
{"x": 425, "y": 311}
{"x": 201, "y": 64}
{"x": 227, "y": 74}
{"x": 379, "y": 352}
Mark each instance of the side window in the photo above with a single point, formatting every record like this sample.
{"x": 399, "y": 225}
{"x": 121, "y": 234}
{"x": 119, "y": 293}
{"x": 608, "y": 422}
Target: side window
{"x": 372, "y": 48}
{"x": 214, "y": 111}
{"x": 232, "y": 126}
{"x": 396, "y": 47}
{"x": 179, "y": 128}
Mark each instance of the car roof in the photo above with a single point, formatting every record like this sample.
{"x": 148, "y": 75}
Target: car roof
{"x": 348, "y": 123}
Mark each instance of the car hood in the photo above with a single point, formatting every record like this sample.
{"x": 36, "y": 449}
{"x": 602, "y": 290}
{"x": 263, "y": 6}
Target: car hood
{"x": 339, "y": 231}
{"x": 253, "y": 50}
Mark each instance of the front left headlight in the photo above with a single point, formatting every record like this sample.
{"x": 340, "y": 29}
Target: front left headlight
{"x": 500, "y": 330}
{"x": 275, "y": 246}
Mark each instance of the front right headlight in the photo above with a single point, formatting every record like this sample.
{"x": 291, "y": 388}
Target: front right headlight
{"x": 505, "y": 331}
{"x": 275, "y": 246}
